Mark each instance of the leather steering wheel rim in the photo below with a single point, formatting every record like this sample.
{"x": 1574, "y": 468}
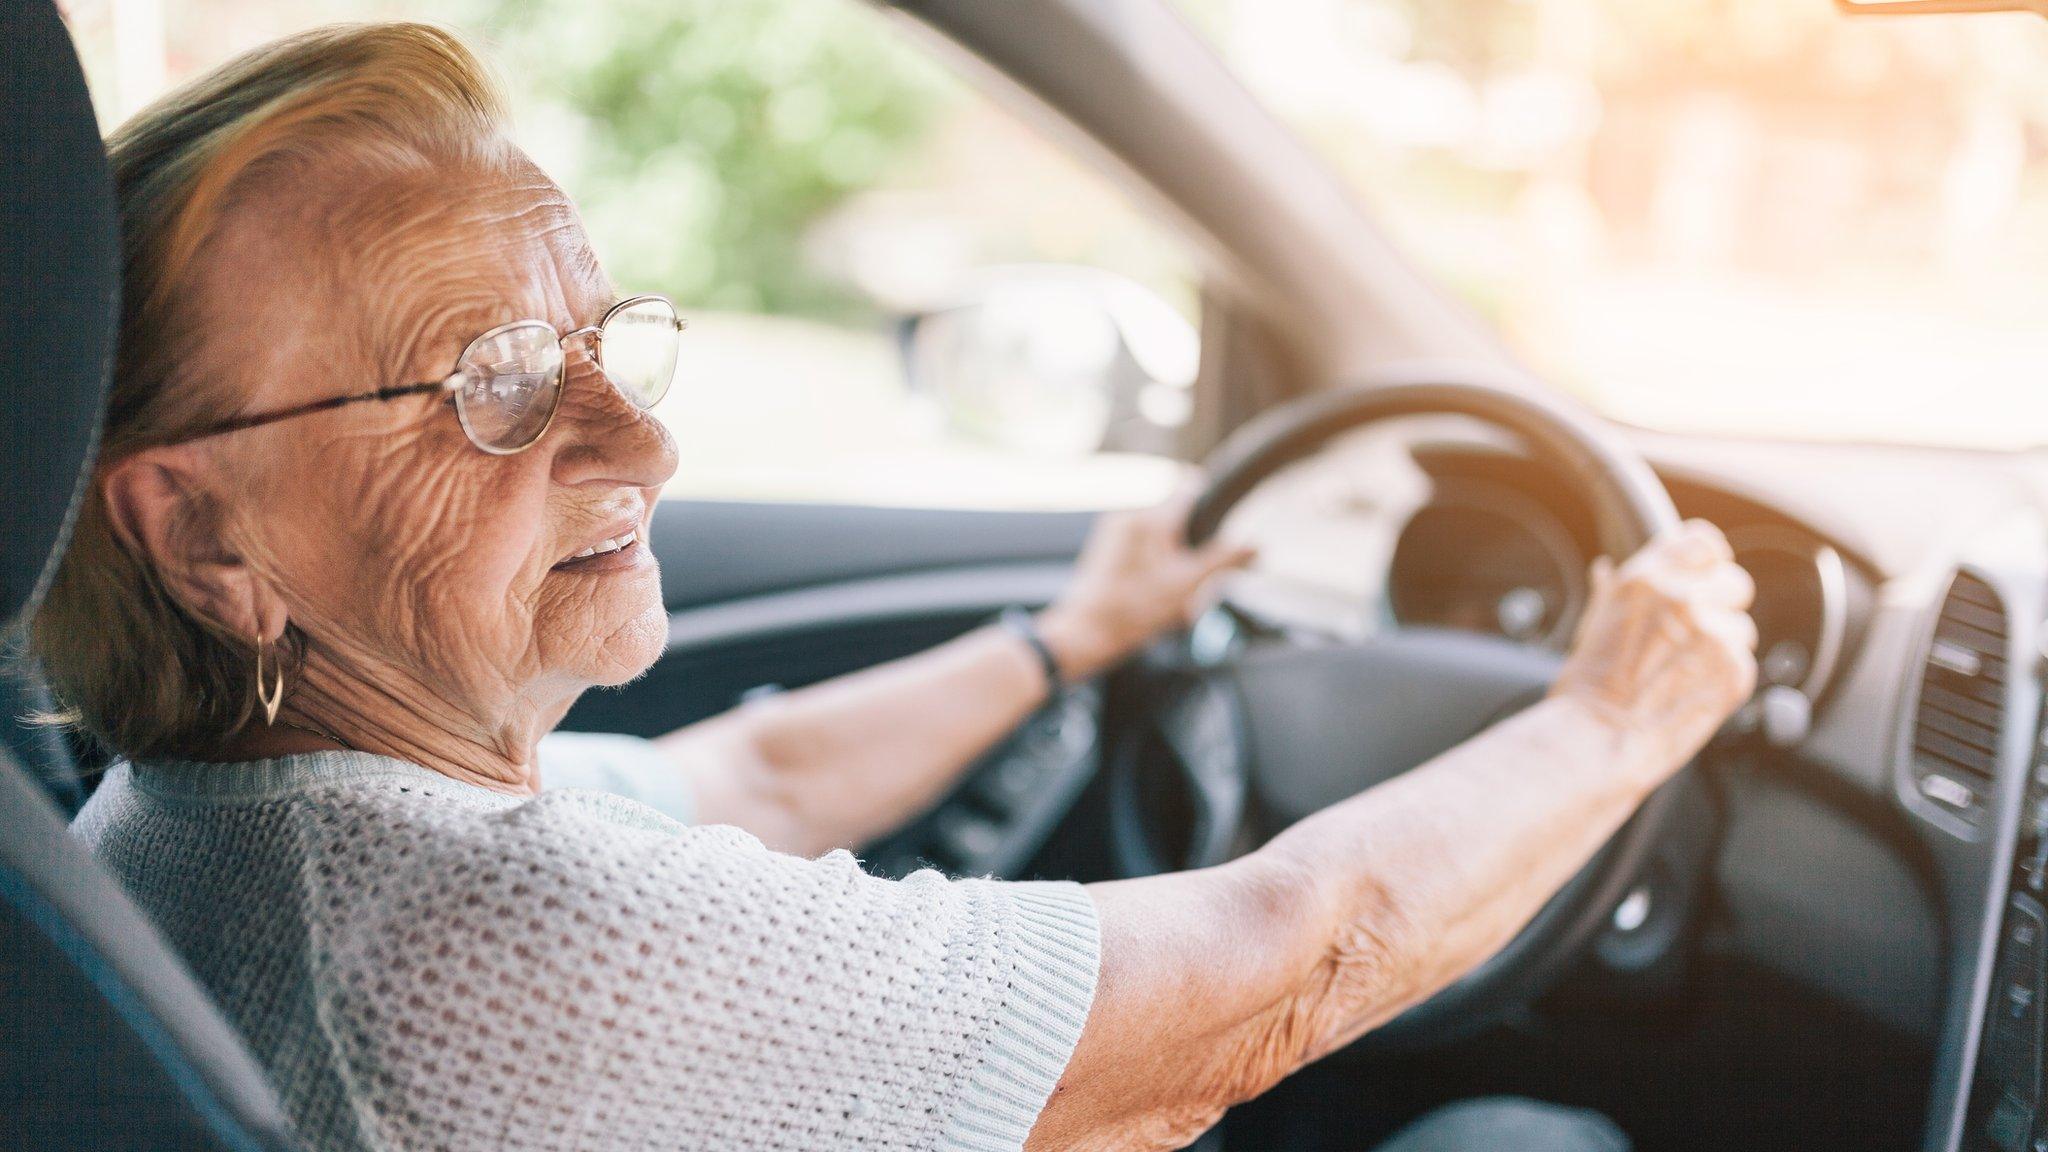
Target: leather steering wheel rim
{"x": 1632, "y": 506}
{"x": 1633, "y": 502}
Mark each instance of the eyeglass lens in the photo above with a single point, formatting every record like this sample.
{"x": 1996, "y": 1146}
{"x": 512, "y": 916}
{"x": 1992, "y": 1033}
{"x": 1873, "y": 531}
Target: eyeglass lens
{"x": 638, "y": 347}
{"x": 512, "y": 376}
{"x": 512, "y": 381}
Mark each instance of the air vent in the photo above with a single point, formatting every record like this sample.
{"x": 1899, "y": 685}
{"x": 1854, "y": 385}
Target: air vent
{"x": 1962, "y": 701}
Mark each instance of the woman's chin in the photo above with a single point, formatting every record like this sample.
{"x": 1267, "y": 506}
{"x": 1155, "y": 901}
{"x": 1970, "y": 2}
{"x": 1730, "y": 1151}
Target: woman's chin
{"x": 610, "y": 642}
{"x": 634, "y": 648}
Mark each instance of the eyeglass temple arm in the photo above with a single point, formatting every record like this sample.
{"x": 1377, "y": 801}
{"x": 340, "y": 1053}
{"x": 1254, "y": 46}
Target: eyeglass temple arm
{"x": 448, "y": 383}
{"x": 259, "y": 419}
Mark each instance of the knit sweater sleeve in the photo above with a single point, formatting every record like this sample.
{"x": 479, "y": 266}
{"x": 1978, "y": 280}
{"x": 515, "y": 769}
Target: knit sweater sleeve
{"x": 579, "y": 972}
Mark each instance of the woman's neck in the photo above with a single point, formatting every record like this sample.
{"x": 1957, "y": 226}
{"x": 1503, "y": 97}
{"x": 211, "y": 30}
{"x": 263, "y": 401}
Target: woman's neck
{"x": 328, "y": 709}
{"x": 288, "y": 738}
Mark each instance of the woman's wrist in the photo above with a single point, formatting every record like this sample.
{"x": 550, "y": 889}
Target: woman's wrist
{"x": 1020, "y": 624}
{"x": 1628, "y": 746}
{"x": 1082, "y": 645}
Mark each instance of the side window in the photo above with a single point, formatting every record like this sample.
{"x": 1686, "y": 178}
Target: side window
{"x": 898, "y": 292}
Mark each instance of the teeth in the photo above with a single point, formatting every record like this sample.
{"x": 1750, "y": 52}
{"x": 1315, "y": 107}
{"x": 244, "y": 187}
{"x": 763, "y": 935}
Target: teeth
{"x": 611, "y": 545}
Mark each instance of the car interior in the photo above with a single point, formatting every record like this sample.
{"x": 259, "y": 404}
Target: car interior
{"x": 1824, "y": 934}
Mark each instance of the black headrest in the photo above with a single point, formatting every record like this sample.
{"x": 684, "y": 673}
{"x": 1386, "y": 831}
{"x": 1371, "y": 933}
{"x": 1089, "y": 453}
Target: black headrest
{"x": 60, "y": 276}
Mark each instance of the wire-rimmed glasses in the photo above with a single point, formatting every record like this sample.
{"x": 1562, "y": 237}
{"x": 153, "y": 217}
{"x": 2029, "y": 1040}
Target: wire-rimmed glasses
{"x": 508, "y": 382}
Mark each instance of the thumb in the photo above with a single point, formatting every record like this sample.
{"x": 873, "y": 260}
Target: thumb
{"x": 1220, "y": 555}
{"x": 1603, "y": 573}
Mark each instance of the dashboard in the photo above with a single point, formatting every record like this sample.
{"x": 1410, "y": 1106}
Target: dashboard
{"x": 1886, "y": 791}
{"x": 1500, "y": 548}
{"x": 1484, "y": 557}
{"x": 1495, "y": 543}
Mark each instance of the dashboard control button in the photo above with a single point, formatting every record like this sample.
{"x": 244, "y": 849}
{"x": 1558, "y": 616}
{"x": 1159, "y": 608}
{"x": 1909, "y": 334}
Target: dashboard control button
{"x": 2012, "y": 1031}
{"x": 2018, "y": 999}
{"x": 2034, "y": 866}
{"x": 2009, "y": 1125}
{"x": 1785, "y": 715}
{"x": 1948, "y": 792}
{"x": 1634, "y": 910}
{"x": 1955, "y": 657}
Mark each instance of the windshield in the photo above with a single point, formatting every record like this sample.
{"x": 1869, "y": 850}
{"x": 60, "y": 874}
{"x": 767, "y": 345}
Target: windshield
{"x": 1749, "y": 216}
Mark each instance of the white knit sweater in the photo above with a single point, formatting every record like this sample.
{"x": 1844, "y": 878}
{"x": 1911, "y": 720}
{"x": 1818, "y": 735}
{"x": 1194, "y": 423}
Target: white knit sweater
{"x": 423, "y": 964}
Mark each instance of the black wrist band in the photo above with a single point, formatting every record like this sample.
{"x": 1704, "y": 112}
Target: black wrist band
{"x": 1019, "y": 622}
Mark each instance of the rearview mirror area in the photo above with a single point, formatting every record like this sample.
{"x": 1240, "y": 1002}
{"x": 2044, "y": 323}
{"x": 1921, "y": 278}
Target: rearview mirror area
{"x": 1938, "y": 7}
{"x": 1056, "y": 359}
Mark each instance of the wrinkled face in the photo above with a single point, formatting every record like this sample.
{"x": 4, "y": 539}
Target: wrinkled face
{"x": 414, "y": 561}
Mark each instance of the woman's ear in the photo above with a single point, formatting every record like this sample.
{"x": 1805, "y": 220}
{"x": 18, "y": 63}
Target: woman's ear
{"x": 160, "y": 507}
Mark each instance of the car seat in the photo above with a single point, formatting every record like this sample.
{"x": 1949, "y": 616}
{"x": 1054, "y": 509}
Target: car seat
{"x": 107, "y": 1043}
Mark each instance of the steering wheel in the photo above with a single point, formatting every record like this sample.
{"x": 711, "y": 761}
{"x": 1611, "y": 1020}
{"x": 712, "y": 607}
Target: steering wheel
{"x": 1246, "y": 744}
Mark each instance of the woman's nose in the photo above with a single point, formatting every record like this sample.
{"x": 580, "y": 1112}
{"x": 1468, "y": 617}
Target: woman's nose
{"x": 606, "y": 438}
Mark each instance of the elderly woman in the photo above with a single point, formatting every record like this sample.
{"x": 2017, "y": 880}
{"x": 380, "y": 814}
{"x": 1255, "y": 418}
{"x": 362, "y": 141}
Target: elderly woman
{"x": 371, "y": 513}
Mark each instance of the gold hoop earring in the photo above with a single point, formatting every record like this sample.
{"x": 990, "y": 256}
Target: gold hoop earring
{"x": 273, "y": 698}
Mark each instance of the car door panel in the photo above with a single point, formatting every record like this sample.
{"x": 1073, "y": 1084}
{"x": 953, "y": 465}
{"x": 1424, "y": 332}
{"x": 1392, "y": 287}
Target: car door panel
{"x": 718, "y": 551}
{"x": 765, "y": 596}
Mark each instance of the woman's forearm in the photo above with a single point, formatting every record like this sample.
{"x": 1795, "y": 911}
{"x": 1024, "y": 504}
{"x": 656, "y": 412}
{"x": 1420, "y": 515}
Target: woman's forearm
{"x": 1216, "y": 984}
{"x": 838, "y": 763}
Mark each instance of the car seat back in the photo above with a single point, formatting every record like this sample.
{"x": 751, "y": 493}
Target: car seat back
{"x": 107, "y": 1043}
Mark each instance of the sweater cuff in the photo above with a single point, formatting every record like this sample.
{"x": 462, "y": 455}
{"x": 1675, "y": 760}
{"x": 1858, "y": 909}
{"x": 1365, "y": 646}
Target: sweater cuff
{"x": 1055, "y": 947}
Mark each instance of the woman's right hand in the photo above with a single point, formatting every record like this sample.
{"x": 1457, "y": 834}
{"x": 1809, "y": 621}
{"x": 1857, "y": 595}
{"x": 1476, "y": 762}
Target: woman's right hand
{"x": 1666, "y": 650}
{"x": 1215, "y": 984}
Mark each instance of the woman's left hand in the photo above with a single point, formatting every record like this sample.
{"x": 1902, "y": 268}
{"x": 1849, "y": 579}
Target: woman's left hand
{"x": 1136, "y": 578}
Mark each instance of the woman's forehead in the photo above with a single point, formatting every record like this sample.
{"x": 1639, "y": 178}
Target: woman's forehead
{"x": 515, "y": 244}
{"x": 391, "y": 276}
{"x": 439, "y": 266}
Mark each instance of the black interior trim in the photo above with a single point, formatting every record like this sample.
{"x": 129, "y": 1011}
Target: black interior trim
{"x": 61, "y": 254}
{"x": 883, "y": 599}
{"x": 111, "y": 1043}
{"x": 713, "y": 551}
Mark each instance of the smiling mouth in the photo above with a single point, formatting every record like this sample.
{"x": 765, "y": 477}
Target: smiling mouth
{"x": 616, "y": 546}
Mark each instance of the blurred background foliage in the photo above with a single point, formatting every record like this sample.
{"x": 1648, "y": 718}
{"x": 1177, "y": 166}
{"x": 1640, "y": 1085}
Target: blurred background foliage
{"x": 704, "y": 137}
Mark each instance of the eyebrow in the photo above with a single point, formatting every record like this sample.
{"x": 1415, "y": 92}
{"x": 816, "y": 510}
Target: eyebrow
{"x": 464, "y": 325}
{"x": 455, "y": 329}
{"x": 612, "y": 299}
